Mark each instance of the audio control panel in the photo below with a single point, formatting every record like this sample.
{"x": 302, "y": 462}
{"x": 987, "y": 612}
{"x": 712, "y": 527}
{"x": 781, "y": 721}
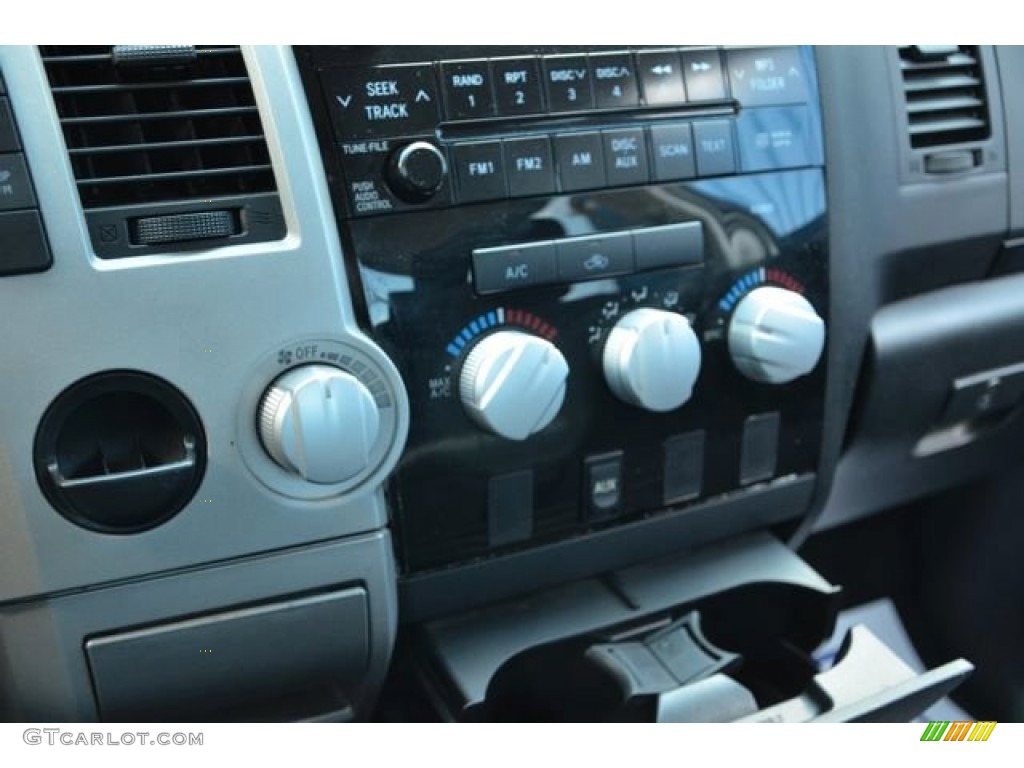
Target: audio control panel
{"x": 602, "y": 273}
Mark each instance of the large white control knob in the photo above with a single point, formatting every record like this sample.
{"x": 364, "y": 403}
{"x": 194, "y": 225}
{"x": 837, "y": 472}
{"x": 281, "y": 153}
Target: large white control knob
{"x": 320, "y": 423}
{"x": 652, "y": 359}
{"x": 775, "y": 335}
{"x": 513, "y": 383}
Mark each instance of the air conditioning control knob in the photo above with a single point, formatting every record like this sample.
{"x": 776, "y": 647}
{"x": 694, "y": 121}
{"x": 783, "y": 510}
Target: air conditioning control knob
{"x": 775, "y": 335}
{"x": 513, "y": 383}
{"x": 416, "y": 171}
{"x": 320, "y": 423}
{"x": 652, "y": 359}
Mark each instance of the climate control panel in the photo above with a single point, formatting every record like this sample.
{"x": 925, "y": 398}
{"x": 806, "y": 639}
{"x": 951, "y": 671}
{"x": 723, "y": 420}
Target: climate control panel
{"x": 604, "y": 310}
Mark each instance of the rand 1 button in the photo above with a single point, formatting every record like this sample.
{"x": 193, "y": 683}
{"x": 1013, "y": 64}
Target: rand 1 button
{"x": 509, "y": 267}
{"x": 480, "y": 170}
{"x": 517, "y": 87}
{"x": 765, "y": 77}
{"x": 467, "y": 89}
{"x": 15, "y": 183}
{"x": 580, "y": 161}
{"x": 625, "y": 157}
{"x": 529, "y": 166}
{"x": 661, "y": 76}
{"x": 569, "y": 83}
{"x": 702, "y": 71}
{"x": 378, "y": 102}
{"x": 595, "y": 256}
{"x": 772, "y": 138}
{"x": 716, "y": 155}
{"x": 672, "y": 152}
{"x": 673, "y": 245}
{"x": 615, "y": 84}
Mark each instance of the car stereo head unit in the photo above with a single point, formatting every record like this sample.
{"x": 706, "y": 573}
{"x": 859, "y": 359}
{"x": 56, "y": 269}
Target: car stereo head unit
{"x": 602, "y": 273}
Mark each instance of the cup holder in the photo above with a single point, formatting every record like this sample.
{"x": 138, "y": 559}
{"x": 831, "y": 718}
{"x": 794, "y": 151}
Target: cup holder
{"x": 120, "y": 452}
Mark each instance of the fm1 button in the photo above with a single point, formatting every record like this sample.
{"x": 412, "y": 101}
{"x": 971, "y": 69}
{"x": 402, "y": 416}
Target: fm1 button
{"x": 507, "y": 268}
{"x": 602, "y": 483}
{"x": 480, "y": 169}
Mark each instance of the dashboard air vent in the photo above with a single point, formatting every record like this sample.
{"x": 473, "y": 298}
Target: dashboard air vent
{"x": 146, "y": 125}
{"x": 945, "y": 94}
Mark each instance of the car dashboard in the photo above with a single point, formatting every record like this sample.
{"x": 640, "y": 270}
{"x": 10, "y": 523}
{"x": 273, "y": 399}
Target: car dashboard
{"x": 487, "y": 382}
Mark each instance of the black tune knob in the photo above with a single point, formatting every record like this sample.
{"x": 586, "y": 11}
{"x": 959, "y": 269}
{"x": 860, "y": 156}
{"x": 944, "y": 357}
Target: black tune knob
{"x": 416, "y": 171}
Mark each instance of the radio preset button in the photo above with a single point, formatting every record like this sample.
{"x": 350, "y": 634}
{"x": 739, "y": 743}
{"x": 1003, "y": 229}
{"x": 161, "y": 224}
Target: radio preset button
{"x": 580, "y": 161}
{"x": 377, "y": 102}
{"x": 569, "y": 84}
{"x": 625, "y": 157}
{"x": 615, "y": 85}
{"x": 529, "y": 166}
{"x": 672, "y": 151}
{"x": 765, "y": 77}
{"x": 507, "y": 268}
{"x": 716, "y": 155}
{"x": 702, "y": 71}
{"x": 480, "y": 170}
{"x": 662, "y": 77}
{"x": 467, "y": 89}
{"x": 595, "y": 256}
{"x": 517, "y": 86}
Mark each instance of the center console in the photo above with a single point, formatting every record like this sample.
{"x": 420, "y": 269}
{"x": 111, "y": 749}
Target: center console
{"x": 603, "y": 276}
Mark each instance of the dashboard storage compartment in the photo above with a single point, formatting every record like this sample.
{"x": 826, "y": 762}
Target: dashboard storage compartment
{"x": 291, "y": 659}
{"x": 725, "y": 635}
{"x": 940, "y": 399}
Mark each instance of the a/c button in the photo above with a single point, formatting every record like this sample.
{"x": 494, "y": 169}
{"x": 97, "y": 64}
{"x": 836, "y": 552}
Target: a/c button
{"x": 513, "y": 266}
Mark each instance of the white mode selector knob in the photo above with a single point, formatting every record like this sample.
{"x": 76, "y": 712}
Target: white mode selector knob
{"x": 652, "y": 359}
{"x": 775, "y": 335}
{"x": 513, "y": 383}
{"x": 320, "y": 423}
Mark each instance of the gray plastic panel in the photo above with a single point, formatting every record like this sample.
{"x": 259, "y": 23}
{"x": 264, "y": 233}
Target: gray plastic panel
{"x": 921, "y": 346}
{"x": 202, "y": 320}
{"x": 44, "y": 674}
{"x": 879, "y": 226}
{"x": 1011, "y": 65}
{"x": 221, "y": 663}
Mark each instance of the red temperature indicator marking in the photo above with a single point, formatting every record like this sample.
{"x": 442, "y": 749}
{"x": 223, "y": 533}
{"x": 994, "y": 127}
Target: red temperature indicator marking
{"x": 531, "y": 322}
{"x": 781, "y": 278}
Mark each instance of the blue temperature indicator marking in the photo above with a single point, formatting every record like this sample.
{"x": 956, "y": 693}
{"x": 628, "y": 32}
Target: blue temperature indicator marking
{"x": 474, "y": 327}
{"x": 465, "y": 334}
{"x": 492, "y": 318}
{"x": 453, "y": 350}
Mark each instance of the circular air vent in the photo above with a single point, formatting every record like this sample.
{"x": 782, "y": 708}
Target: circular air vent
{"x": 120, "y": 452}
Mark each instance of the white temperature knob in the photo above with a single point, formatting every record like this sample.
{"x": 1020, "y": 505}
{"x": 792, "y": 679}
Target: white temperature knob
{"x": 513, "y": 383}
{"x": 775, "y": 335}
{"x": 652, "y": 359}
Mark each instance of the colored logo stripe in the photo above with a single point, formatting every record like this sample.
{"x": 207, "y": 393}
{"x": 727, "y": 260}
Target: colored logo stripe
{"x": 960, "y": 730}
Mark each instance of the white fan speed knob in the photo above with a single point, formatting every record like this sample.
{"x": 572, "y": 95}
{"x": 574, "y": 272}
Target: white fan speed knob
{"x": 513, "y": 383}
{"x": 652, "y": 359}
{"x": 320, "y": 423}
{"x": 775, "y": 335}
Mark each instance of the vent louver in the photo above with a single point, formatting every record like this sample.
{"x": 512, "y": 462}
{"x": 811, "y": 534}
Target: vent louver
{"x": 945, "y": 94}
{"x": 145, "y": 126}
